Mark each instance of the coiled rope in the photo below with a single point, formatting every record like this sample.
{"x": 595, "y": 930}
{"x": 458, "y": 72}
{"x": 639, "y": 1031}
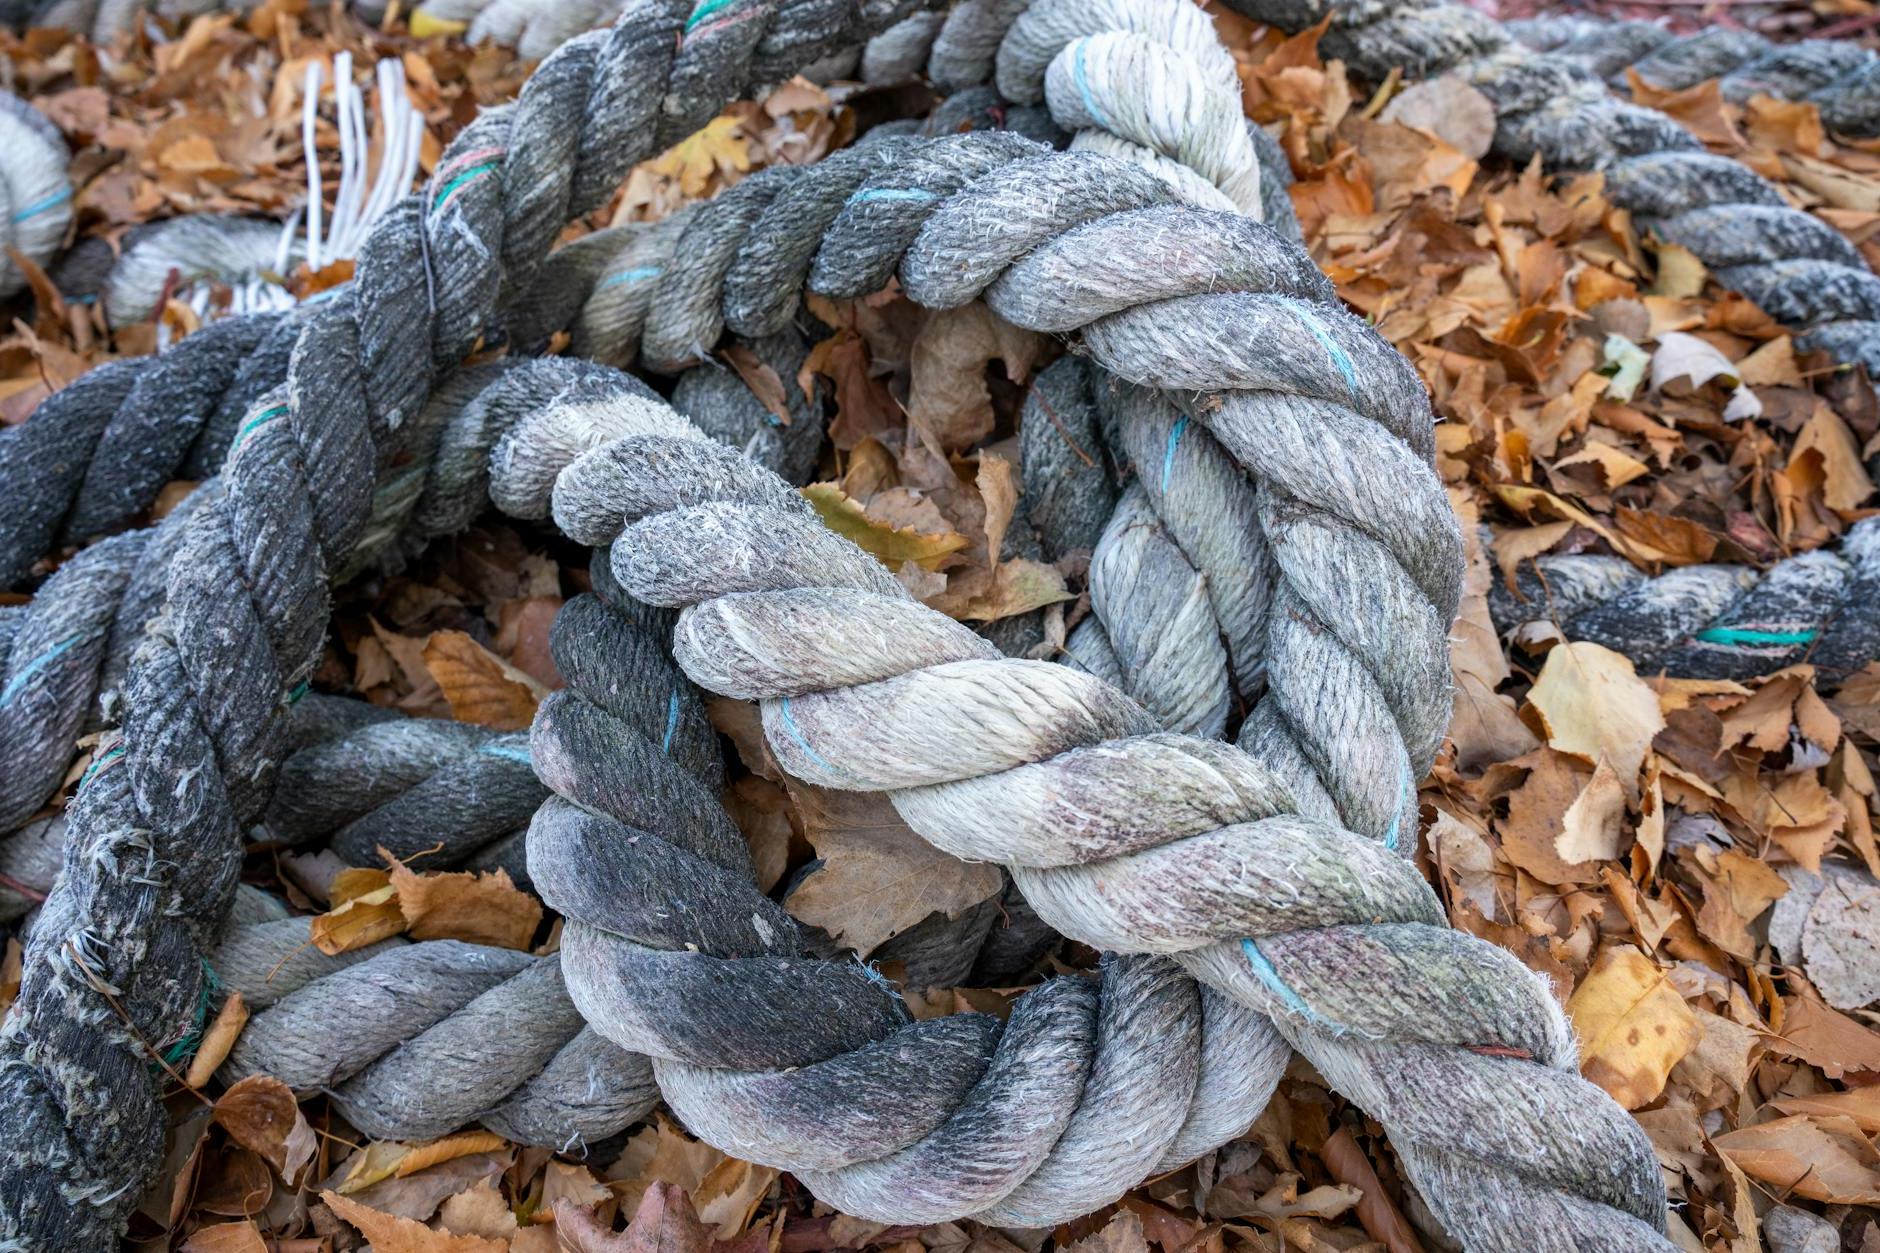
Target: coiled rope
{"x": 1803, "y": 273}
{"x": 35, "y": 189}
{"x": 1472, "y": 1072}
{"x": 1839, "y": 75}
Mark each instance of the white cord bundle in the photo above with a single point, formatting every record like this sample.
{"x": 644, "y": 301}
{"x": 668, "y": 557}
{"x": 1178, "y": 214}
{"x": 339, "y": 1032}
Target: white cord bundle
{"x": 250, "y": 258}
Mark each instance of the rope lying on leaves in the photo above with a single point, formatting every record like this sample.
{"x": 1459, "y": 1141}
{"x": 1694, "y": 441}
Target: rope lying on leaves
{"x": 1801, "y": 271}
{"x": 1838, "y": 74}
{"x": 35, "y": 190}
{"x": 1712, "y": 621}
{"x": 1472, "y": 1072}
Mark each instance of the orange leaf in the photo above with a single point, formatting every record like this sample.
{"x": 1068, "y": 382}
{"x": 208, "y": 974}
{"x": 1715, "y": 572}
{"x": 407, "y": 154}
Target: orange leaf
{"x": 480, "y": 686}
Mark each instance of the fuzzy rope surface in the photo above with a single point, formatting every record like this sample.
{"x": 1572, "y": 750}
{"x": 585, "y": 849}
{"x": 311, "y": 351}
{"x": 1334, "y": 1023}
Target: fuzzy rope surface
{"x": 1712, "y": 621}
{"x": 1839, "y": 75}
{"x": 35, "y": 189}
{"x": 154, "y": 835}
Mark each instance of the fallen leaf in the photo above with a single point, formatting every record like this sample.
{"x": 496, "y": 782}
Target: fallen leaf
{"x": 217, "y": 1040}
{"x": 391, "y": 1234}
{"x": 480, "y": 686}
{"x": 1823, "y": 1159}
{"x": 362, "y": 920}
{"x": 260, "y": 1113}
{"x": 1633, "y": 1026}
{"x": 1592, "y": 704}
{"x": 1824, "y": 1037}
{"x": 886, "y": 543}
{"x": 478, "y": 907}
{"x": 664, "y": 1223}
{"x": 1593, "y": 825}
{"x": 241, "y": 1237}
{"x": 947, "y": 398}
{"x": 764, "y": 382}
{"x": 877, "y": 877}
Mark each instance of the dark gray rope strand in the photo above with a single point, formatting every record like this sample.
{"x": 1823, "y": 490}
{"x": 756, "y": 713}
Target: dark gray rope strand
{"x": 1800, "y": 271}
{"x": 154, "y": 836}
{"x": 1839, "y": 75}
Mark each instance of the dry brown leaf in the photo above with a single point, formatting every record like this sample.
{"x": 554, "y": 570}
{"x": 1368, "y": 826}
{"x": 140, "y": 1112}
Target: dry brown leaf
{"x": 947, "y": 395}
{"x": 241, "y": 1237}
{"x": 388, "y": 1159}
{"x": 362, "y": 920}
{"x": 1594, "y": 825}
{"x": 477, "y": 907}
{"x": 660, "y": 1153}
{"x": 391, "y": 1234}
{"x": 728, "y": 1197}
{"x": 1633, "y": 1026}
{"x": 1846, "y": 485}
{"x": 480, "y": 686}
{"x": 1122, "y": 1234}
{"x": 217, "y": 1040}
{"x": 1821, "y": 1158}
{"x": 891, "y": 545}
{"x": 1592, "y": 704}
{"x": 877, "y": 877}
{"x": 1824, "y": 1037}
{"x": 764, "y": 382}
{"x": 261, "y": 1114}
{"x": 664, "y": 1223}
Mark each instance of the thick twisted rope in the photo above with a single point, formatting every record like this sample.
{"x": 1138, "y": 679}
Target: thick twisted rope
{"x": 414, "y": 1041}
{"x": 1801, "y": 271}
{"x": 1712, "y": 621}
{"x": 154, "y": 836}
{"x": 782, "y": 611}
{"x": 35, "y": 189}
{"x": 1839, "y": 75}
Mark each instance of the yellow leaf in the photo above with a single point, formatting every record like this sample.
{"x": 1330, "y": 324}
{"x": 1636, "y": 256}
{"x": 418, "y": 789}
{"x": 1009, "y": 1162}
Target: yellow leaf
{"x": 1592, "y": 704}
{"x": 363, "y": 920}
{"x": 387, "y": 1159}
{"x": 692, "y": 162}
{"x": 217, "y": 1040}
{"x": 425, "y": 26}
{"x": 1633, "y": 1026}
{"x": 888, "y": 544}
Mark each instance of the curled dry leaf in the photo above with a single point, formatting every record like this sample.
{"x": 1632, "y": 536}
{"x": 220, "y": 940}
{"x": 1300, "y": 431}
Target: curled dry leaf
{"x": 260, "y": 1113}
{"x": 1822, "y": 1158}
{"x": 891, "y": 545}
{"x": 1592, "y": 704}
{"x": 478, "y": 907}
{"x": 392, "y": 1234}
{"x": 665, "y": 1222}
{"x": 217, "y": 1040}
{"x": 389, "y": 1159}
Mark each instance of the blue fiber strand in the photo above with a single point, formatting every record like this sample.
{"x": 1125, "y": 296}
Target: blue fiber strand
{"x": 672, "y": 722}
{"x": 1168, "y": 454}
{"x": 33, "y": 667}
{"x": 1083, "y": 87}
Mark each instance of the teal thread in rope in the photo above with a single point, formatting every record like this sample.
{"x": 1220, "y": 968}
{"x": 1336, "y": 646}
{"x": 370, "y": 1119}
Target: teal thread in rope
{"x": 33, "y": 667}
{"x": 185, "y": 1047}
{"x": 475, "y": 171}
{"x": 98, "y": 763}
{"x": 259, "y": 420}
{"x": 705, "y": 10}
{"x": 789, "y": 725}
{"x": 1264, "y": 972}
{"x": 509, "y": 751}
{"x": 870, "y": 195}
{"x": 1323, "y": 334}
{"x": 1168, "y": 454}
{"x": 296, "y": 692}
{"x": 635, "y": 275}
{"x": 38, "y": 207}
{"x": 1752, "y": 636}
{"x": 672, "y": 721}
{"x": 1083, "y": 86}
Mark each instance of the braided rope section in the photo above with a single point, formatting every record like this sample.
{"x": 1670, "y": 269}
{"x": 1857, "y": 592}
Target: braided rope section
{"x": 1802, "y": 272}
{"x": 1839, "y": 75}
{"x": 320, "y": 474}
{"x": 1712, "y": 621}
{"x": 1120, "y": 835}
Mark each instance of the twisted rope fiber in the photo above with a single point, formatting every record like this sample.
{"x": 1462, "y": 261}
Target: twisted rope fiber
{"x": 781, "y": 610}
{"x": 1712, "y": 621}
{"x": 1548, "y": 1039}
{"x": 1799, "y": 270}
{"x": 1838, "y": 74}
{"x": 153, "y": 839}
{"x": 414, "y": 1041}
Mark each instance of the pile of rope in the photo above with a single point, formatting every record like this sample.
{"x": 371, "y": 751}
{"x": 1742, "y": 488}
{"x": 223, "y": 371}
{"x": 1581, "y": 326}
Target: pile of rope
{"x": 1252, "y": 899}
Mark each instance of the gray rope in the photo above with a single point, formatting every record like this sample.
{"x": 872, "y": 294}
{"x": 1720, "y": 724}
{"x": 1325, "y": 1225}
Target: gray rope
{"x": 413, "y": 1041}
{"x": 1712, "y": 621}
{"x": 313, "y": 480}
{"x": 1802, "y": 272}
{"x": 778, "y": 611}
{"x": 35, "y": 189}
{"x": 1839, "y": 75}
